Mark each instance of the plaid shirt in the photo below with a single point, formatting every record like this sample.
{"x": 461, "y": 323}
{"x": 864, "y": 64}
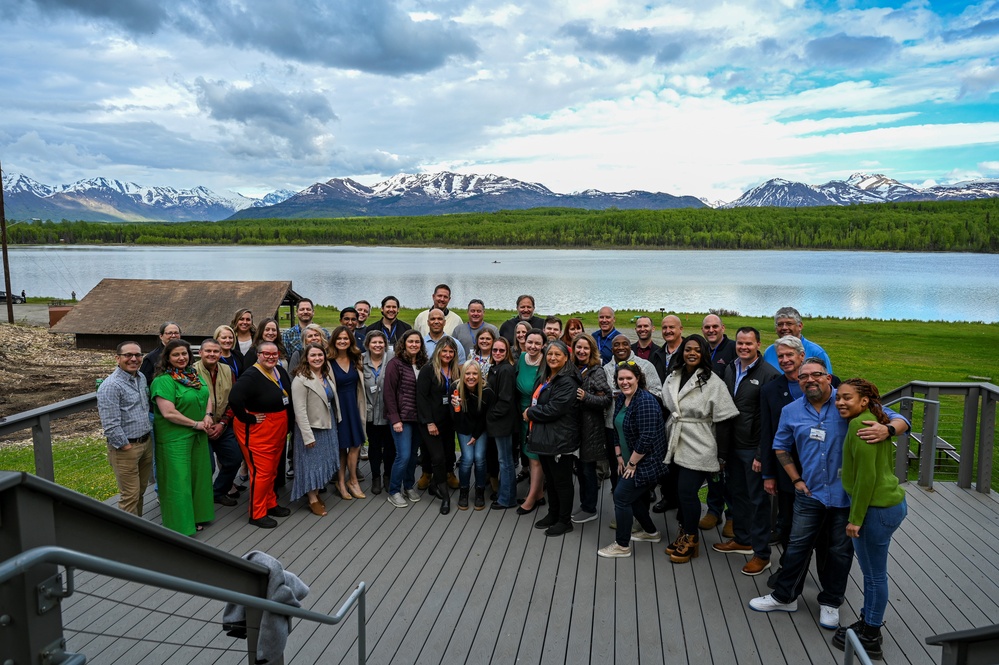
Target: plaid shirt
{"x": 123, "y": 404}
{"x": 645, "y": 431}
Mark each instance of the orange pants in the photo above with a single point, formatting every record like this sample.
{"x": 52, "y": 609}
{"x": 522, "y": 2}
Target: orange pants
{"x": 262, "y": 445}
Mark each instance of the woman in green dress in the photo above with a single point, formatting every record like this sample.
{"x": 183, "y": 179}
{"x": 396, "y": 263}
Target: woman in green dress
{"x": 528, "y": 369}
{"x": 181, "y": 419}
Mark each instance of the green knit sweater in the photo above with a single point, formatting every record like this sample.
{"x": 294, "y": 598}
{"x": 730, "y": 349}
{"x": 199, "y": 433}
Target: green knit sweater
{"x": 869, "y": 472}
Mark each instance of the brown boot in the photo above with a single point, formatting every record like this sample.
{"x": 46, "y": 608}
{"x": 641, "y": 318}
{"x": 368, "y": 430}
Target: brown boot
{"x": 686, "y": 550}
{"x": 424, "y": 481}
{"x": 676, "y": 542}
{"x": 452, "y": 481}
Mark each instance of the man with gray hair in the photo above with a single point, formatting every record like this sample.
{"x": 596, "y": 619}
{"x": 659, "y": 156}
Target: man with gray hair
{"x": 787, "y": 321}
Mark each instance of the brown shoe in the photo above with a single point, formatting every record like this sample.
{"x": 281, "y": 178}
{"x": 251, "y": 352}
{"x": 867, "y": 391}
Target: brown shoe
{"x": 686, "y": 550}
{"x": 709, "y": 521}
{"x": 317, "y": 508}
{"x": 728, "y": 531}
{"x": 755, "y": 566}
{"x": 424, "y": 481}
{"x": 355, "y": 491}
{"x": 676, "y": 542}
{"x": 452, "y": 481}
{"x": 732, "y": 547}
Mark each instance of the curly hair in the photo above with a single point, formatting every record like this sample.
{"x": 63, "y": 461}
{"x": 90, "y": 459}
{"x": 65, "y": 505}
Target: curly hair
{"x": 867, "y": 389}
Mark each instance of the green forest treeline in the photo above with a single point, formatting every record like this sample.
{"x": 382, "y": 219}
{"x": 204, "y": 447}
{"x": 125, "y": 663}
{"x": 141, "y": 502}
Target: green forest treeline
{"x": 962, "y": 226}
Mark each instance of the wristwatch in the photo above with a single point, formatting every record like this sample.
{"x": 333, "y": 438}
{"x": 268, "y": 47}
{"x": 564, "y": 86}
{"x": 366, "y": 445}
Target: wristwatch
{"x": 891, "y": 431}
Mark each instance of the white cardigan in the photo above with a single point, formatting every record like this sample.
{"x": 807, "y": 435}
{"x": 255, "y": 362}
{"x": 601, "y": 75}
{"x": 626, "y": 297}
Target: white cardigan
{"x": 694, "y": 410}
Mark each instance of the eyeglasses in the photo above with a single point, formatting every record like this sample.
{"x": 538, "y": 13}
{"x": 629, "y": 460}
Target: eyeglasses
{"x": 129, "y": 355}
{"x": 813, "y": 375}
{"x": 627, "y": 363}
{"x": 272, "y": 354}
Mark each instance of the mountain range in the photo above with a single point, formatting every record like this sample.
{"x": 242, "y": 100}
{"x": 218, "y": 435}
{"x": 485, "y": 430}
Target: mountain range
{"x": 103, "y": 199}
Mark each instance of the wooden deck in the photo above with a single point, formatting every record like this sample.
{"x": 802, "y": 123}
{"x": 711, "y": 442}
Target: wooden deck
{"x": 486, "y": 587}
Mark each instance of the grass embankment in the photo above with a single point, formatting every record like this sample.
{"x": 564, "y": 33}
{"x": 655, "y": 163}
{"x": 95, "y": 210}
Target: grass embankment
{"x": 889, "y": 353}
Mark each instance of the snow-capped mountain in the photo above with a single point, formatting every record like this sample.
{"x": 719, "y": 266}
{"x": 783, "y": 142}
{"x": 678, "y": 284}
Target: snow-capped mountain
{"x": 106, "y": 199}
{"x": 858, "y": 188}
{"x": 446, "y": 192}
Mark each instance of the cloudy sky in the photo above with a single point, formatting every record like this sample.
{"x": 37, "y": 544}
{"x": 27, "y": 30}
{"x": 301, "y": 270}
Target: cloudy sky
{"x": 693, "y": 97}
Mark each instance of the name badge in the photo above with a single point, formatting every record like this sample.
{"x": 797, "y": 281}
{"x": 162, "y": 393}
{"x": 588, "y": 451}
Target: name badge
{"x": 374, "y": 389}
{"x": 534, "y": 402}
{"x": 284, "y": 400}
{"x": 817, "y": 434}
{"x": 445, "y": 400}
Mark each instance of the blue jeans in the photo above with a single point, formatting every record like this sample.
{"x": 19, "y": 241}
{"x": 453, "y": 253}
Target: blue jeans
{"x": 872, "y": 554}
{"x": 586, "y": 473}
{"x": 718, "y": 497}
{"x": 507, "y": 494}
{"x": 404, "y": 466}
{"x": 226, "y": 449}
{"x": 812, "y": 517}
{"x": 749, "y": 503}
{"x": 472, "y": 453}
{"x": 631, "y": 501}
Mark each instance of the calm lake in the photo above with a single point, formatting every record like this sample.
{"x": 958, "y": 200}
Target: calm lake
{"x": 929, "y": 287}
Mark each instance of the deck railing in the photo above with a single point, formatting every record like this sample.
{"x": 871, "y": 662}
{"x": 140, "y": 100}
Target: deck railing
{"x": 954, "y": 430}
{"x": 45, "y": 526}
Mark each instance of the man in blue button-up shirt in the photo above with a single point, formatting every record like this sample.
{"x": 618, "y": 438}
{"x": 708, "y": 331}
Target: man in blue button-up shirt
{"x": 123, "y": 402}
{"x": 813, "y": 427}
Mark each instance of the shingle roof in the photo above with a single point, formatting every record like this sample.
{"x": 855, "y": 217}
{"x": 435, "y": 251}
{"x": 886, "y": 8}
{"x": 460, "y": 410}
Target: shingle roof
{"x": 140, "y": 306}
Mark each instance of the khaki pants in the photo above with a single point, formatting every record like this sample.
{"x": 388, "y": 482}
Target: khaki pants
{"x": 132, "y": 469}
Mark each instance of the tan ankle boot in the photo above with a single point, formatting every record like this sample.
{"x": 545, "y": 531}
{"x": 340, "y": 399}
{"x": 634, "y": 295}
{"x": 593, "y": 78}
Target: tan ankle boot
{"x": 676, "y": 542}
{"x": 686, "y": 550}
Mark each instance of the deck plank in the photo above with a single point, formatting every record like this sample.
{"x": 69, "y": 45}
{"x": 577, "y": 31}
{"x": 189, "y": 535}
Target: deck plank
{"x": 487, "y": 587}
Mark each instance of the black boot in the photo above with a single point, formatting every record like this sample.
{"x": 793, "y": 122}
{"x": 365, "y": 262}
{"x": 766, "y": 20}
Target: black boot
{"x": 433, "y": 491}
{"x": 463, "y": 499}
{"x": 480, "y": 498}
{"x": 376, "y": 484}
{"x": 445, "y": 498}
{"x": 869, "y": 636}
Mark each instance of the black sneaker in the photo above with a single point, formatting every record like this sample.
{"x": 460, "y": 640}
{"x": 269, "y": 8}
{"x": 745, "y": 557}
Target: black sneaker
{"x": 279, "y": 511}
{"x": 496, "y": 505}
{"x": 264, "y": 522}
{"x": 558, "y": 529}
{"x": 225, "y": 500}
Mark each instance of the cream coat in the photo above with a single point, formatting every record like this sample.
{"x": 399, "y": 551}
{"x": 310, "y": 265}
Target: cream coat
{"x": 694, "y": 410}
{"x": 312, "y": 408}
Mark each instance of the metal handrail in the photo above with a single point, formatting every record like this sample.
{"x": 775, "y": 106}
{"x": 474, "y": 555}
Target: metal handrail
{"x": 852, "y": 648}
{"x": 69, "y": 558}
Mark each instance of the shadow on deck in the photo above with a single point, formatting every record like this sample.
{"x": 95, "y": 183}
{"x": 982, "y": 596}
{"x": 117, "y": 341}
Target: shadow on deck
{"x": 486, "y": 587}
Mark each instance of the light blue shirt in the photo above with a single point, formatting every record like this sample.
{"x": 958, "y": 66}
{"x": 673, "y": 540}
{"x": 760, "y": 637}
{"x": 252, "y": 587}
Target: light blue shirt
{"x": 740, "y": 373}
{"x": 818, "y": 436}
{"x": 431, "y": 345}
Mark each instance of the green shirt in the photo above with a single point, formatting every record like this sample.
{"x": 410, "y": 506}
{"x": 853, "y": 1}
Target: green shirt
{"x": 619, "y": 428}
{"x": 869, "y": 472}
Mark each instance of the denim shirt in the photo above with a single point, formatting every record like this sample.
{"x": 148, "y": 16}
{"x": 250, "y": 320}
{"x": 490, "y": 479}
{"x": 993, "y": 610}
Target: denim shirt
{"x": 821, "y": 461}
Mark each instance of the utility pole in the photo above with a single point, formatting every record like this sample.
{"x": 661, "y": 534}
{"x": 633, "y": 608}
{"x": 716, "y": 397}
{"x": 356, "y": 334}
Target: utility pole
{"x": 6, "y": 263}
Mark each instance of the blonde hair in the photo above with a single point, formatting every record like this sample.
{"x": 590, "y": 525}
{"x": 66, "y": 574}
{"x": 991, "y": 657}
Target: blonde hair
{"x": 463, "y": 389}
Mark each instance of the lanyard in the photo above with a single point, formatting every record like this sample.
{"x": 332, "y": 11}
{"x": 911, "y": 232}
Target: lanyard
{"x": 275, "y": 381}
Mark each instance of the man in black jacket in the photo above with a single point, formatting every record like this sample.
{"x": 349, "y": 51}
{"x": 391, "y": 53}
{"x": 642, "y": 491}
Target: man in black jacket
{"x": 750, "y": 505}
{"x": 722, "y": 355}
{"x": 525, "y": 312}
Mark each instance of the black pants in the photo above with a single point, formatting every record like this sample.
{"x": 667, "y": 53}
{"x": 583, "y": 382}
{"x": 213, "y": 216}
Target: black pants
{"x": 611, "y": 442}
{"x": 381, "y": 449}
{"x": 689, "y": 484}
{"x": 558, "y": 485}
{"x": 440, "y": 450}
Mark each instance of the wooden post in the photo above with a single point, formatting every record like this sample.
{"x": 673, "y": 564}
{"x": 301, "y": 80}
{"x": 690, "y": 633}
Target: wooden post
{"x": 986, "y": 441}
{"x": 41, "y": 437}
{"x": 966, "y": 466}
{"x": 928, "y": 450}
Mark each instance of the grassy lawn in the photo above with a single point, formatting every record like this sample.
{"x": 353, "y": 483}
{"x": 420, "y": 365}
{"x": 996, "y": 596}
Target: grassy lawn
{"x": 81, "y": 464}
{"x": 889, "y": 353}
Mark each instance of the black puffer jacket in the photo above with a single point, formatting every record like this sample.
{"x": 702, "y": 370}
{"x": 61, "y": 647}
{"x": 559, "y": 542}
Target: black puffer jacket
{"x": 555, "y": 418}
{"x": 502, "y": 417}
{"x": 592, "y": 438}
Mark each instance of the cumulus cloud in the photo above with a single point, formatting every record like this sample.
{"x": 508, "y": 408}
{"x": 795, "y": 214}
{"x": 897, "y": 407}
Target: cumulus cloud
{"x": 368, "y": 35}
{"x": 270, "y": 117}
{"x": 628, "y": 45}
{"x": 989, "y": 169}
{"x": 846, "y": 50}
{"x": 981, "y": 80}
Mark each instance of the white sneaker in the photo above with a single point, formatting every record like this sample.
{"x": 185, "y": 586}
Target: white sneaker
{"x": 364, "y": 452}
{"x": 644, "y": 537}
{"x": 829, "y": 617}
{"x": 398, "y": 500}
{"x": 614, "y": 551}
{"x": 767, "y": 603}
{"x": 412, "y": 494}
{"x": 582, "y": 517}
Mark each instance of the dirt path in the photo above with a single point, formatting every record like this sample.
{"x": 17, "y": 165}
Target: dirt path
{"x": 38, "y": 368}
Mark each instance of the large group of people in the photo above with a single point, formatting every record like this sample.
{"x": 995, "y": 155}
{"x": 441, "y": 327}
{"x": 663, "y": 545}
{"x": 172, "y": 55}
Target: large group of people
{"x": 469, "y": 402}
